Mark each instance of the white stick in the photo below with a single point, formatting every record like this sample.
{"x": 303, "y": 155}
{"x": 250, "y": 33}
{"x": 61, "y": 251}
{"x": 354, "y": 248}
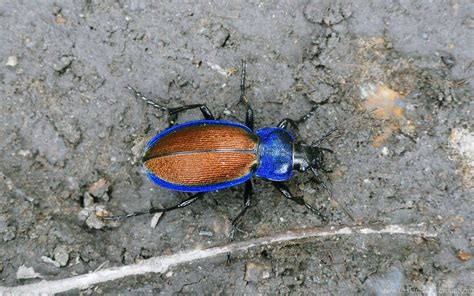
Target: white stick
{"x": 162, "y": 263}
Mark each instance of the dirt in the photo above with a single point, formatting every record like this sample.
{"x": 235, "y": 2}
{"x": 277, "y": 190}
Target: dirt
{"x": 72, "y": 137}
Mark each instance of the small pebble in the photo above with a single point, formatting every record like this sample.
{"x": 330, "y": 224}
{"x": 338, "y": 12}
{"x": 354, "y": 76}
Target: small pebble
{"x": 137, "y": 150}
{"x": 409, "y": 129}
{"x": 60, "y": 19}
{"x": 56, "y": 10}
{"x": 217, "y": 68}
{"x": 10, "y": 234}
{"x": 88, "y": 200}
{"x": 105, "y": 197}
{"x": 83, "y": 215}
{"x": 196, "y": 61}
{"x": 63, "y": 64}
{"x": 146, "y": 253}
{"x": 399, "y": 150}
{"x": 100, "y": 211}
{"x": 227, "y": 112}
{"x": 156, "y": 218}
{"x": 265, "y": 274}
{"x": 61, "y": 255}
{"x": 99, "y": 187}
{"x": 94, "y": 222}
{"x": 50, "y": 261}
{"x": 12, "y": 61}
{"x": 24, "y": 273}
{"x": 463, "y": 255}
{"x": 448, "y": 59}
{"x": 24, "y": 153}
{"x": 206, "y": 233}
{"x": 256, "y": 271}
{"x": 169, "y": 274}
{"x": 161, "y": 44}
{"x": 385, "y": 151}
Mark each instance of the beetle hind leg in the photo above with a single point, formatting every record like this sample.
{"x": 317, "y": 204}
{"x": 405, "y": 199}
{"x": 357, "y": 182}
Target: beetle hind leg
{"x": 153, "y": 210}
{"x": 247, "y": 202}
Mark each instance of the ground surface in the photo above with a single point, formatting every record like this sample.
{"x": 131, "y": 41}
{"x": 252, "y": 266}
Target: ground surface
{"x": 67, "y": 121}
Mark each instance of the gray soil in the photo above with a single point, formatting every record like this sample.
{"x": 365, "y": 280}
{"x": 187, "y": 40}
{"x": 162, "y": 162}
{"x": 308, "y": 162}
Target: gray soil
{"x": 67, "y": 121}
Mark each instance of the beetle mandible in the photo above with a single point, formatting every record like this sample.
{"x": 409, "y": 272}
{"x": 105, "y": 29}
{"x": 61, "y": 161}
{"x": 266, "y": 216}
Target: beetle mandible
{"x": 207, "y": 155}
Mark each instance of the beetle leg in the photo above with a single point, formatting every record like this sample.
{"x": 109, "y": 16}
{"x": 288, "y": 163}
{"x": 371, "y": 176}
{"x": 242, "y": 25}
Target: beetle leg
{"x": 243, "y": 98}
{"x": 204, "y": 110}
{"x": 247, "y": 201}
{"x": 294, "y": 123}
{"x": 285, "y": 191}
{"x": 139, "y": 95}
{"x": 182, "y": 204}
{"x": 319, "y": 181}
{"x": 173, "y": 112}
{"x": 287, "y": 121}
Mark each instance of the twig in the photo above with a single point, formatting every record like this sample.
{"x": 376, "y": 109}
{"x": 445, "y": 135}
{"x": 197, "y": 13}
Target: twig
{"x": 162, "y": 263}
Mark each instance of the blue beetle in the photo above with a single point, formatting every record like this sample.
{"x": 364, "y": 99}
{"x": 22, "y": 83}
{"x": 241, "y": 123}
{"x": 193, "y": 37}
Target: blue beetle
{"x": 207, "y": 155}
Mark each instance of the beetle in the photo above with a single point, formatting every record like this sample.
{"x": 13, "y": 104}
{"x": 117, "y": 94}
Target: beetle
{"x": 207, "y": 155}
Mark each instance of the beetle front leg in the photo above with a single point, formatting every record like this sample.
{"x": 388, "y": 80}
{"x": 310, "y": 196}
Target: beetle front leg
{"x": 285, "y": 191}
{"x": 247, "y": 201}
{"x": 294, "y": 123}
{"x": 285, "y": 123}
{"x": 182, "y": 204}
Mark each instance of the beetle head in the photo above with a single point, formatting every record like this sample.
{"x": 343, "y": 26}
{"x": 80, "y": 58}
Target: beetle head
{"x": 308, "y": 157}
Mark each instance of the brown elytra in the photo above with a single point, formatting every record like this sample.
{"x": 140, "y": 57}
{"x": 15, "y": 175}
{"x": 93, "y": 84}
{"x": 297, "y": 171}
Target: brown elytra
{"x": 202, "y": 155}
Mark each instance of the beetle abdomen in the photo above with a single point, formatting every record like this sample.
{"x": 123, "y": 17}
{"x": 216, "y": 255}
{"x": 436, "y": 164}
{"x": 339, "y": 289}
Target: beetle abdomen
{"x": 201, "y": 155}
{"x": 198, "y": 138}
{"x": 201, "y": 168}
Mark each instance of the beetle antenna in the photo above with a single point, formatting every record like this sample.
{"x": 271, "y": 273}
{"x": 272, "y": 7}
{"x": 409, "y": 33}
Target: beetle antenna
{"x": 325, "y": 187}
{"x": 337, "y": 128}
{"x": 311, "y": 112}
{"x": 324, "y": 137}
